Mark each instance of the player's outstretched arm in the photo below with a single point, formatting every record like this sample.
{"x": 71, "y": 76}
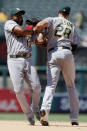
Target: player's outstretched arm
{"x": 40, "y": 26}
{"x": 22, "y": 32}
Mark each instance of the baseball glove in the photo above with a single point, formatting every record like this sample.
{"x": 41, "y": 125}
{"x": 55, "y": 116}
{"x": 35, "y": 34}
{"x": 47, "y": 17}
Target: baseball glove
{"x": 41, "y": 40}
{"x": 32, "y": 21}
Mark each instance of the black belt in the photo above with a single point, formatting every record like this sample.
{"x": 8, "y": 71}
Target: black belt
{"x": 63, "y": 47}
{"x": 24, "y": 55}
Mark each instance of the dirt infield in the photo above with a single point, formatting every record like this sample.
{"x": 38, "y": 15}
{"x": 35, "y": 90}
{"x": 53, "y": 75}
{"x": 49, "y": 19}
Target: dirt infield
{"x": 54, "y": 126}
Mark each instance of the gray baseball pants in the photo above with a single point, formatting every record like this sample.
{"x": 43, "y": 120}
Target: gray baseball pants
{"x": 61, "y": 60}
{"x": 21, "y": 69}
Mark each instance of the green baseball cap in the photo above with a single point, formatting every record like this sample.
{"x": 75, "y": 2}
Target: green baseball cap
{"x": 17, "y": 11}
{"x": 65, "y": 10}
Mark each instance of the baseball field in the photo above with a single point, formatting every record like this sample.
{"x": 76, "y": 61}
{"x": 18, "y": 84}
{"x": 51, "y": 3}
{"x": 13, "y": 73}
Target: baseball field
{"x": 58, "y": 122}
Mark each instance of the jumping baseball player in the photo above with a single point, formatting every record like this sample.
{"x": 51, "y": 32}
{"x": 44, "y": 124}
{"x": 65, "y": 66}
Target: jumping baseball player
{"x": 20, "y": 66}
{"x": 61, "y": 35}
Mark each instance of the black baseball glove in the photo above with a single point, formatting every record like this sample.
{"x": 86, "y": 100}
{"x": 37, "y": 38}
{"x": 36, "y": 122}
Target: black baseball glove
{"x": 32, "y": 21}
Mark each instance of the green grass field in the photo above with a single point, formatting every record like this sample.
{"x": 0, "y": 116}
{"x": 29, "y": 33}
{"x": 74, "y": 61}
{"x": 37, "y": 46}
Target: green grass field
{"x": 52, "y": 117}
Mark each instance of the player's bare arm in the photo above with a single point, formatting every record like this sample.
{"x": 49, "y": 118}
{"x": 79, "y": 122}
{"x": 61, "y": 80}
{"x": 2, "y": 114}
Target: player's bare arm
{"x": 41, "y": 25}
{"x": 20, "y": 31}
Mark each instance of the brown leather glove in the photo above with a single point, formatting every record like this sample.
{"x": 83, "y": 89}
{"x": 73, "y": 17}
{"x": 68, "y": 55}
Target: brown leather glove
{"x": 41, "y": 40}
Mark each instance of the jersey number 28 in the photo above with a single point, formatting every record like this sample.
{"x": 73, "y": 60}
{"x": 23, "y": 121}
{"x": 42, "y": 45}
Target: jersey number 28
{"x": 62, "y": 32}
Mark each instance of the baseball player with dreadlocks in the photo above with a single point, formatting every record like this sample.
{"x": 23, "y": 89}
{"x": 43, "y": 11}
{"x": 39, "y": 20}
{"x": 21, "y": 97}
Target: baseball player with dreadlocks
{"x": 20, "y": 64}
{"x": 61, "y": 35}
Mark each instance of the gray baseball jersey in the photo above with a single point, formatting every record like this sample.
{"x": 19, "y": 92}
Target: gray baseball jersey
{"x": 61, "y": 32}
{"x": 14, "y": 44}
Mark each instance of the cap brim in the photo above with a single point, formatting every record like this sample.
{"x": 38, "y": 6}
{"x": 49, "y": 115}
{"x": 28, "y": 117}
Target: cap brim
{"x": 22, "y": 12}
{"x": 32, "y": 20}
{"x": 27, "y": 21}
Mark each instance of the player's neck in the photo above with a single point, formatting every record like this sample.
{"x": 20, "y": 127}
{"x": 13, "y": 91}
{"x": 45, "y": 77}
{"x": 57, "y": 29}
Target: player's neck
{"x": 60, "y": 15}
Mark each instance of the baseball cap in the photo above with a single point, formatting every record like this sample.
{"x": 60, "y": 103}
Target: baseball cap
{"x": 32, "y": 21}
{"x": 65, "y": 10}
{"x": 17, "y": 11}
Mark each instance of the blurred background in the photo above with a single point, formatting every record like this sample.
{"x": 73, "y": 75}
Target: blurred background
{"x": 43, "y": 9}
